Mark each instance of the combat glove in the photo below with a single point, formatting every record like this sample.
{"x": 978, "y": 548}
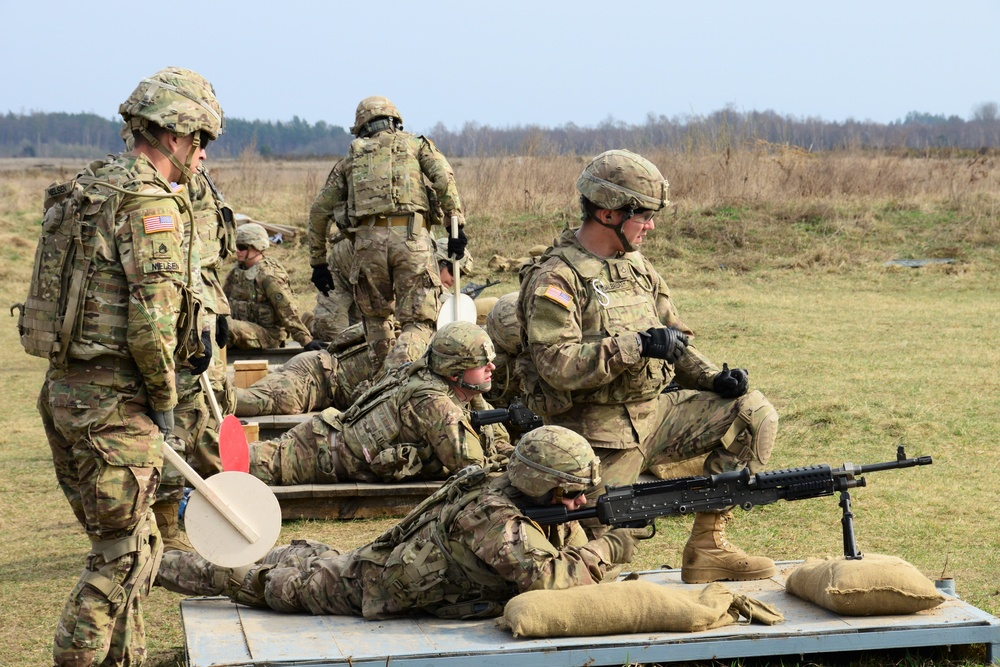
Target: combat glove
{"x": 668, "y": 343}
{"x": 221, "y": 330}
{"x": 314, "y": 345}
{"x": 731, "y": 382}
{"x": 200, "y": 363}
{"x": 164, "y": 420}
{"x": 456, "y": 246}
{"x": 621, "y": 544}
{"x": 322, "y": 278}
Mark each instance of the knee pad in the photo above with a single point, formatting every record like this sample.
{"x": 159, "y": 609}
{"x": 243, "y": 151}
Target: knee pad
{"x": 751, "y": 436}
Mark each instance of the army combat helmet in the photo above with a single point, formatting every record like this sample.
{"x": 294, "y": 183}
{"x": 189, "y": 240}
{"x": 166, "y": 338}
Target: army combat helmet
{"x": 253, "y": 235}
{"x": 458, "y": 347}
{"x": 622, "y": 180}
{"x": 374, "y": 114}
{"x": 551, "y": 462}
{"x": 502, "y": 326}
{"x": 180, "y": 101}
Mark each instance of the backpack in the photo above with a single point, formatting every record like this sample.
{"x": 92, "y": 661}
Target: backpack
{"x": 52, "y": 308}
{"x": 73, "y": 212}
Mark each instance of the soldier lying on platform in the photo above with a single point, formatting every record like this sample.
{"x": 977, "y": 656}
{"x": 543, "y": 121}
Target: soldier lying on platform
{"x": 412, "y": 423}
{"x": 335, "y": 377}
{"x": 462, "y": 553}
{"x": 311, "y": 381}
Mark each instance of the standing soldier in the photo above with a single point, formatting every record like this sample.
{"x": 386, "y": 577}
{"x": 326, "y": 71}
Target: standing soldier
{"x": 112, "y": 306}
{"x": 260, "y": 296}
{"x": 377, "y": 194}
{"x": 196, "y": 430}
{"x": 335, "y": 309}
{"x": 602, "y": 340}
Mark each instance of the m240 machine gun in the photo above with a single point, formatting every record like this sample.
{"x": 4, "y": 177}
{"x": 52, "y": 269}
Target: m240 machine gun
{"x": 639, "y": 504}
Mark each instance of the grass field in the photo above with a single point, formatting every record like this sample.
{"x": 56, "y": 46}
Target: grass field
{"x": 775, "y": 257}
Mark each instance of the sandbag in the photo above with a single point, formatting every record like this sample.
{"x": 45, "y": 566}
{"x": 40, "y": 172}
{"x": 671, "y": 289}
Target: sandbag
{"x": 876, "y": 585}
{"x": 629, "y": 607}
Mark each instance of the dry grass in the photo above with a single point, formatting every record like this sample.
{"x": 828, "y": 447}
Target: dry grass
{"x": 775, "y": 257}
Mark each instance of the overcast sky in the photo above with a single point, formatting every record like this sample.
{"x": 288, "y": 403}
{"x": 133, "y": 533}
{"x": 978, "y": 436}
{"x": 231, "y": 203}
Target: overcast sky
{"x": 513, "y": 62}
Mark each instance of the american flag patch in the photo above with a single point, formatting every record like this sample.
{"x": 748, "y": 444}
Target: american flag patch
{"x": 555, "y": 294}
{"x": 158, "y": 223}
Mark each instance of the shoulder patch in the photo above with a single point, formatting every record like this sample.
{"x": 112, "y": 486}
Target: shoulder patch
{"x": 555, "y": 294}
{"x": 158, "y": 223}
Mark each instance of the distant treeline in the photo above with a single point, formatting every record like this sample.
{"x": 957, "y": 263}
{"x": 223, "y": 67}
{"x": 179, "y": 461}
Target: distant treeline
{"x": 87, "y": 135}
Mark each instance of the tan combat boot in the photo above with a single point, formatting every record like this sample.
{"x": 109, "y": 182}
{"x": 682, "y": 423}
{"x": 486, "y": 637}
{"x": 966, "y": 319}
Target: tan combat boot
{"x": 174, "y": 538}
{"x": 708, "y": 555}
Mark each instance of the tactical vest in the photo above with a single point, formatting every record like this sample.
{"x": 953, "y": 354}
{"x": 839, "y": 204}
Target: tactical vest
{"x": 371, "y": 428}
{"x": 385, "y": 175}
{"x": 248, "y": 299}
{"x": 618, "y": 298}
{"x": 427, "y": 570}
{"x": 215, "y": 225}
{"x": 70, "y": 304}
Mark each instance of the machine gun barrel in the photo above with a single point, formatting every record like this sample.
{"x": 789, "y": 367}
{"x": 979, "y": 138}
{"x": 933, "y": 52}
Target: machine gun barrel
{"x": 640, "y": 504}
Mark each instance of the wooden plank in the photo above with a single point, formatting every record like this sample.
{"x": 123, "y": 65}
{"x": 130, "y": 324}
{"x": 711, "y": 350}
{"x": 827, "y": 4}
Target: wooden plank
{"x": 274, "y": 356}
{"x": 278, "y": 639}
{"x": 351, "y": 500}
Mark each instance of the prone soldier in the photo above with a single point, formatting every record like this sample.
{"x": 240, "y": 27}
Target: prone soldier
{"x": 412, "y": 423}
{"x": 463, "y": 553}
{"x": 310, "y": 381}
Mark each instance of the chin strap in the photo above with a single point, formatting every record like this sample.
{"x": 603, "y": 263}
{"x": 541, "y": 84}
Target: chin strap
{"x": 481, "y": 387}
{"x": 187, "y": 174}
{"x": 619, "y": 229}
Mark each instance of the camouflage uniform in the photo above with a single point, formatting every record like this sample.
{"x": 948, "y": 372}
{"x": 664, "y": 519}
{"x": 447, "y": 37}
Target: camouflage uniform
{"x": 412, "y": 423}
{"x": 504, "y": 331}
{"x": 195, "y": 427}
{"x": 336, "y": 311}
{"x": 585, "y": 345}
{"x": 418, "y": 429}
{"x": 462, "y": 553}
{"x": 583, "y": 366}
{"x": 263, "y": 308}
{"x": 137, "y": 313}
{"x": 312, "y": 380}
{"x": 377, "y": 194}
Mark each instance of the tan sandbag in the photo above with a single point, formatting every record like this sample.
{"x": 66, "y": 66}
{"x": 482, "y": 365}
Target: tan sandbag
{"x": 484, "y": 305}
{"x": 876, "y": 585}
{"x": 628, "y": 607}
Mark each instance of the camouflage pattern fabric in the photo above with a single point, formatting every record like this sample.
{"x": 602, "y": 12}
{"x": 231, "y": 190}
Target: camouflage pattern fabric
{"x": 195, "y": 427}
{"x": 106, "y": 450}
{"x": 309, "y": 381}
{"x": 263, "y": 308}
{"x": 187, "y": 573}
{"x": 504, "y": 331}
{"x": 395, "y": 270}
{"x": 462, "y": 557}
{"x": 433, "y": 438}
{"x": 582, "y": 369}
{"x": 336, "y": 311}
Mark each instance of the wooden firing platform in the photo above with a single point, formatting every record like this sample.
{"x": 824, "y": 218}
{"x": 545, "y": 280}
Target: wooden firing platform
{"x": 275, "y": 356}
{"x": 351, "y": 500}
{"x": 218, "y": 632}
{"x": 272, "y": 426}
